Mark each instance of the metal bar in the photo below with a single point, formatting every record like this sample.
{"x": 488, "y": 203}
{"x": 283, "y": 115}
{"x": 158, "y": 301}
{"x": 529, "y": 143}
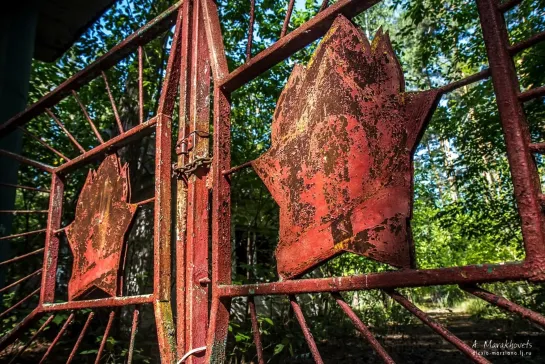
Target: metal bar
{"x": 86, "y": 114}
{"x": 144, "y": 202}
{"x": 123, "y": 49}
{"x": 19, "y": 303}
{"x": 134, "y": 330}
{"x": 363, "y": 329}
{"x": 112, "y": 101}
{"x": 14, "y": 236}
{"x": 181, "y": 186}
{"x": 105, "y": 336}
{"x": 325, "y": 5}
{"x": 538, "y": 148}
{"x": 293, "y": 42}
{"x": 80, "y": 338}
{"x": 52, "y": 241}
{"x": 524, "y": 174}
{"x": 237, "y": 168}
{"x": 103, "y": 302}
{"x": 532, "y": 94}
{"x": 21, "y": 327}
{"x": 287, "y": 18}
{"x": 28, "y": 161}
{"x": 115, "y": 143}
{"x": 393, "y": 279}
{"x": 525, "y": 44}
{"x": 479, "y": 76}
{"x": 255, "y": 331}
{"x": 501, "y": 302}
{"x": 508, "y": 5}
{"x": 17, "y": 212}
{"x": 306, "y": 331}
{"x": 57, "y": 338}
{"x": 250, "y": 31}
{"x": 44, "y": 190}
{"x": 20, "y": 280}
{"x": 63, "y": 128}
{"x": 38, "y": 332}
{"x": 221, "y": 194}
{"x": 42, "y": 142}
{"x": 21, "y": 257}
{"x": 438, "y": 328}
{"x": 141, "y": 84}
{"x": 196, "y": 250}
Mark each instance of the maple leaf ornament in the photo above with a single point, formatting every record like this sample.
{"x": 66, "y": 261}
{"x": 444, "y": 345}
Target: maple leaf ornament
{"x": 340, "y": 165}
{"x": 96, "y": 236}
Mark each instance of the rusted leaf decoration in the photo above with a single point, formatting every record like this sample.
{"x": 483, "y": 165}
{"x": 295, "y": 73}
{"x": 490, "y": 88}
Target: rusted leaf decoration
{"x": 96, "y": 236}
{"x": 340, "y": 165}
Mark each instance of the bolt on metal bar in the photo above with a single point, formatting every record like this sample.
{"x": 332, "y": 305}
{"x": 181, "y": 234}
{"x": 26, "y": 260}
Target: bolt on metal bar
{"x": 287, "y": 19}
{"x": 43, "y": 143}
{"x": 16, "y": 212}
{"x": 105, "y": 336}
{"x": 134, "y": 330}
{"x": 532, "y": 93}
{"x": 255, "y": 331}
{"x": 86, "y": 114}
{"x": 306, "y": 331}
{"x": 80, "y": 338}
{"x": 57, "y": 338}
{"x": 21, "y": 257}
{"x": 42, "y": 328}
{"x": 141, "y": 84}
{"x": 33, "y": 293}
{"x": 525, "y": 44}
{"x": 37, "y": 189}
{"x": 508, "y": 5}
{"x": 14, "y": 236}
{"x": 20, "y": 280}
{"x": 28, "y": 161}
{"x": 362, "y": 328}
{"x": 438, "y": 328}
{"x": 250, "y": 31}
{"x": 63, "y": 128}
{"x": 504, "y": 303}
{"x": 112, "y": 101}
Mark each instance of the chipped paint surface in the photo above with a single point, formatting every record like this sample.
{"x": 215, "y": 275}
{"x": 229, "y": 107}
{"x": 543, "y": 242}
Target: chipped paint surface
{"x": 96, "y": 236}
{"x": 340, "y": 165}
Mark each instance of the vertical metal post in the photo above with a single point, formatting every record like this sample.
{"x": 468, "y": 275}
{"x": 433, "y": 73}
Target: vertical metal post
{"x": 517, "y": 137}
{"x": 51, "y": 253}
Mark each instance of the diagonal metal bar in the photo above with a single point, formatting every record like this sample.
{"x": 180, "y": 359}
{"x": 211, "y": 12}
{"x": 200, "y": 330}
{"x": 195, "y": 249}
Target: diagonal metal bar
{"x": 57, "y": 338}
{"x": 287, "y": 18}
{"x": 63, "y": 128}
{"x": 532, "y": 94}
{"x": 86, "y": 114}
{"x": 10, "y": 337}
{"x": 80, "y": 338}
{"x": 134, "y": 330}
{"x": 362, "y": 328}
{"x": 438, "y": 328}
{"x": 17, "y": 212}
{"x": 20, "y": 280}
{"x": 325, "y": 5}
{"x": 21, "y": 257}
{"x": 44, "y": 190}
{"x": 42, "y": 142}
{"x": 504, "y": 303}
{"x": 33, "y": 293}
{"x": 306, "y": 331}
{"x": 508, "y": 5}
{"x": 525, "y": 44}
{"x": 27, "y": 233}
{"x": 112, "y": 101}
{"x": 42, "y": 328}
{"x": 255, "y": 331}
{"x": 250, "y": 31}
{"x": 105, "y": 337}
{"x": 25, "y": 160}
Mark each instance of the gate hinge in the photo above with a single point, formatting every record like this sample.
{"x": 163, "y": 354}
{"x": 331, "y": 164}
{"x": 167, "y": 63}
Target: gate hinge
{"x": 186, "y": 171}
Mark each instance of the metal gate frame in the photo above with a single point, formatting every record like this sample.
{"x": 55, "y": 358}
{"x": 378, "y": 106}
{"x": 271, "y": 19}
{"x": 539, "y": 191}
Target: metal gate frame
{"x": 198, "y": 46}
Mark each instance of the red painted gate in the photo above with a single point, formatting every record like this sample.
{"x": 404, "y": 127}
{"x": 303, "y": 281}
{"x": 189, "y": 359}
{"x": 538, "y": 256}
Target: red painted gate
{"x": 332, "y": 199}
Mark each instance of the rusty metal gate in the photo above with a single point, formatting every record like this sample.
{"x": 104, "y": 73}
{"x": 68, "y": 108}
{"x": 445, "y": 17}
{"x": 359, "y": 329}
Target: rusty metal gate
{"x": 313, "y": 227}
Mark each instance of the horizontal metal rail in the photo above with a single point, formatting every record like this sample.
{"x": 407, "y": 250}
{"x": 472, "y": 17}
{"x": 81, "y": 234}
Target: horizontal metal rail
{"x": 103, "y": 302}
{"x": 393, "y": 279}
